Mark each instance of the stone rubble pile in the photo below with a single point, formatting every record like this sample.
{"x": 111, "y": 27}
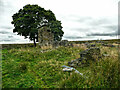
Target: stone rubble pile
{"x": 108, "y": 45}
{"x": 86, "y": 56}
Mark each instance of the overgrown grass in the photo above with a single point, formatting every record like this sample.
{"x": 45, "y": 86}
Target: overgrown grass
{"x": 34, "y": 68}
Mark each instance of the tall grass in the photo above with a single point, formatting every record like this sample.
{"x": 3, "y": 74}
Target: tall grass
{"x": 35, "y": 68}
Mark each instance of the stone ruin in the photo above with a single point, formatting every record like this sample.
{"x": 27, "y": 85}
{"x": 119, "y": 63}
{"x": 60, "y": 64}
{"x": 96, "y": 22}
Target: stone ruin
{"x": 45, "y": 37}
{"x": 108, "y": 45}
{"x": 65, "y": 43}
{"x": 92, "y": 54}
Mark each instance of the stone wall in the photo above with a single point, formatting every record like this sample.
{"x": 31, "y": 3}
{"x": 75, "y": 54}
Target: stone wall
{"x": 86, "y": 57}
{"x": 45, "y": 37}
{"x": 11, "y": 46}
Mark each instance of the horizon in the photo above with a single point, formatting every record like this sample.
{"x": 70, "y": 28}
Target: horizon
{"x": 38, "y": 42}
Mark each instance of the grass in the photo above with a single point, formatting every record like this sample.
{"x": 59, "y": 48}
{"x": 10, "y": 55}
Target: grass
{"x": 34, "y": 68}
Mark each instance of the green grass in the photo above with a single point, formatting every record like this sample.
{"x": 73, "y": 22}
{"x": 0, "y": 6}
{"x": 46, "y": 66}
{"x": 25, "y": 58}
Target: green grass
{"x": 31, "y": 68}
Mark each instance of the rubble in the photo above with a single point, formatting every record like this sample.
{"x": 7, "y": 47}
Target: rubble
{"x": 86, "y": 56}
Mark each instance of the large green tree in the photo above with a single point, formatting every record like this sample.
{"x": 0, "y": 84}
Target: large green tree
{"x": 28, "y": 20}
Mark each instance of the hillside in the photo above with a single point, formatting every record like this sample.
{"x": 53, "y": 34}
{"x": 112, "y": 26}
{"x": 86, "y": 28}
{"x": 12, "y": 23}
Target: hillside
{"x": 30, "y": 67}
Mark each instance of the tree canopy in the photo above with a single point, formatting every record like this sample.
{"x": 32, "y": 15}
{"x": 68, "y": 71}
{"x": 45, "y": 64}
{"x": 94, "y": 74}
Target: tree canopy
{"x": 28, "y": 20}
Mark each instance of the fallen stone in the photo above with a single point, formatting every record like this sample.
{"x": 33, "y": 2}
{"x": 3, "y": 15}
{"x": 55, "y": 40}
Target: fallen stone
{"x": 64, "y": 43}
{"x": 56, "y": 44}
{"x": 76, "y": 71}
{"x": 67, "y": 69}
{"x": 70, "y": 44}
{"x": 99, "y": 41}
{"x": 103, "y": 44}
{"x": 111, "y": 45}
{"x": 105, "y": 55}
{"x": 93, "y": 45}
{"x": 108, "y": 45}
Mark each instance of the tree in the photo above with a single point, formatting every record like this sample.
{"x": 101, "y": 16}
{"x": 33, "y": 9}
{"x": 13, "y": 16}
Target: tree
{"x": 56, "y": 28}
{"x": 32, "y": 17}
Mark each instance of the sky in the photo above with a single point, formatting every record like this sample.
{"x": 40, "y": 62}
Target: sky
{"x": 81, "y": 19}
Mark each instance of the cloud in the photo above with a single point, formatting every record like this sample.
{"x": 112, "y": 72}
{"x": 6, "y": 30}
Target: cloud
{"x": 1, "y": 7}
{"x": 102, "y": 34}
{"x": 84, "y": 19}
{"x": 81, "y": 19}
{"x": 71, "y": 37}
{"x": 111, "y": 30}
{"x": 6, "y": 27}
{"x": 4, "y": 32}
{"x": 112, "y": 27}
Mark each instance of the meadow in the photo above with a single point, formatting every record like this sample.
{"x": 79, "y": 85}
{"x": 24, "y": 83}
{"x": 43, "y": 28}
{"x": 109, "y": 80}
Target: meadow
{"x": 32, "y": 67}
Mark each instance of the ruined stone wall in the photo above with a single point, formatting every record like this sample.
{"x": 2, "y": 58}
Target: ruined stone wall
{"x": 45, "y": 37}
{"x": 11, "y": 46}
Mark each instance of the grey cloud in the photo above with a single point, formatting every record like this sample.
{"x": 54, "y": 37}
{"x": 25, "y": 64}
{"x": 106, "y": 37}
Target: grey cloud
{"x": 71, "y": 37}
{"x": 7, "y": 40}
{"x": 98, "y": 22}
{"x": 102, "y": 34}
{"x": 104, "y": 27}
{"x": 10, "y": 36}
{"x": 111, "y": 27}
{"x": 93, "y": 21}
{"x": 2, "y": 9}
{"x": 84, "y": 19}
{"x": 6, "y": 27}
{"x": 4, "y": 32}
{"x": 80, "y": 29}
{"x": 77, "y": 18}
{"x": 1, "y": 5}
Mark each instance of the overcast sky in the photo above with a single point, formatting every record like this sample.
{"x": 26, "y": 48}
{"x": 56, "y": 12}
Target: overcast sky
{"x": 81, "y": 19}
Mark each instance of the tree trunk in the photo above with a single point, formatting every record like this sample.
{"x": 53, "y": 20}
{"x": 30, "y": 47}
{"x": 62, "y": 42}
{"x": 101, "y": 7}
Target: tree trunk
{"x": 34, "y": 42}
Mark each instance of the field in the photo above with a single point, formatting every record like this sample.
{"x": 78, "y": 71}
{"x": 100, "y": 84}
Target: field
{"x": 32, "y": 67}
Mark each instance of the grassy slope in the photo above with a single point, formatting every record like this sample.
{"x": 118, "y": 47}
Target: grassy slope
{"x": 31, "y": 67}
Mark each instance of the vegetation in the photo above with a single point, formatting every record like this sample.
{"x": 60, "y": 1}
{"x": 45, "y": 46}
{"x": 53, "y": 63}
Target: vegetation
{"x": 32, "y": 67}
{"x": 32, "y": 17}
{"x": 107, "y": 41}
